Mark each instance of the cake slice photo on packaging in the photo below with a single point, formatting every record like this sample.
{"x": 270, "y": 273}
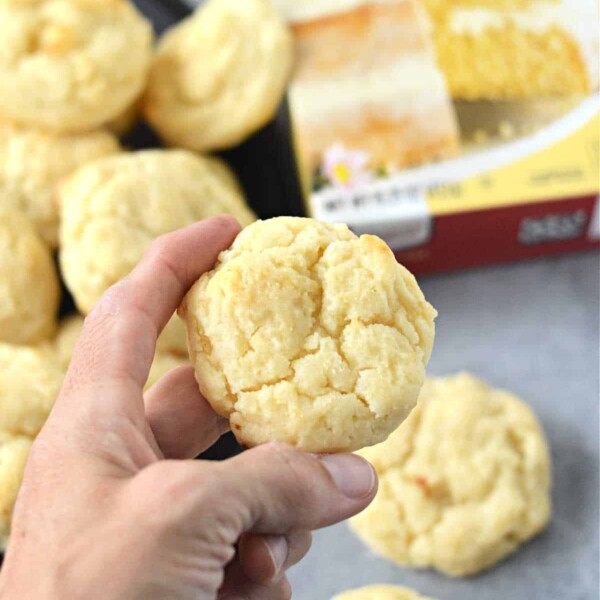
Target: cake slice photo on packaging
{"x": 404, "y": 111}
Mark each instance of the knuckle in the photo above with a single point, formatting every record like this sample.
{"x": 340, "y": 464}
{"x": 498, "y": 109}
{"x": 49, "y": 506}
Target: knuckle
{"x": 157, "y": 248}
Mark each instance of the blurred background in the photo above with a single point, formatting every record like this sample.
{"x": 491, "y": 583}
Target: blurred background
{"x": 467, "y": 135}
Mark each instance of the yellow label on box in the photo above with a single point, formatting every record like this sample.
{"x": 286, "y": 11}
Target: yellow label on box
{"x": 567, "y": 168}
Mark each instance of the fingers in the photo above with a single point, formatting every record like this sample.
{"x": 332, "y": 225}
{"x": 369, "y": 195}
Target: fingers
{"x": 183, "y": 422}
{"x": 237, "y": 586}
{"x": 264, "y": 558}
{"x": 117, "y": 344}
{"x": 275, "y": 489}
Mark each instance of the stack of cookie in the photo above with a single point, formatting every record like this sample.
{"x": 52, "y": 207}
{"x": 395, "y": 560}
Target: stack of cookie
{"x": 74, "y": 76}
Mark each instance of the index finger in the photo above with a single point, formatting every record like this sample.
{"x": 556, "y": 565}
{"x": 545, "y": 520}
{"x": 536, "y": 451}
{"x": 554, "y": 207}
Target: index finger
{"x": 117, "y": 344}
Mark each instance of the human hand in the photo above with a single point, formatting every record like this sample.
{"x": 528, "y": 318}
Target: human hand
{"x": 111, "y": 505}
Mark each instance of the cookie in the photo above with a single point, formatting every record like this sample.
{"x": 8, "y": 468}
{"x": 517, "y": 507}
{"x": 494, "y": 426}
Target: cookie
{"x": 219, "y": 75}
{"x": 32, "y": 164}
{"x": 30, "y": 380}
{"x": 14, "y": 451}
{"x": 121, "y": 203}
{"x": 462, "y": 482}
{"x": 306, "y": 334}
{"x": 29, "y": 287}
{"x": 380, "y": 592}
{"x": 71, "y": 65}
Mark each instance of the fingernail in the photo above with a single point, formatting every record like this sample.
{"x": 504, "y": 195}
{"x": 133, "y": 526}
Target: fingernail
{"x": 353, "y": 475}
{"x": 278, "y": 549}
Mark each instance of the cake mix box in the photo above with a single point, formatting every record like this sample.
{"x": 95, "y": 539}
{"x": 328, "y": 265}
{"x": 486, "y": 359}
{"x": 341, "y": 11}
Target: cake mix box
{"x": 463, "y": 132}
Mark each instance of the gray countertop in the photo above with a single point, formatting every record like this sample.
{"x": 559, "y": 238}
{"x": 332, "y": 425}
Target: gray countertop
{"x": 531, "y": 328}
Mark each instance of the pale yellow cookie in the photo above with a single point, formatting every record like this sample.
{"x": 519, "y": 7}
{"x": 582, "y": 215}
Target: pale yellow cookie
{"x": 220, "y": 75}
{"x": 14, "y": 451}
{"x": 32, "y": 165}
{"x": 306, "y": 334}
{"x": 29, "y": 288}
{"x": 112, "y": 210}
{"x": 71, "y": 65}
{"x": 30, "y": 380}
{"x": 462, "y": 482}
{"x": 381, "y": 592}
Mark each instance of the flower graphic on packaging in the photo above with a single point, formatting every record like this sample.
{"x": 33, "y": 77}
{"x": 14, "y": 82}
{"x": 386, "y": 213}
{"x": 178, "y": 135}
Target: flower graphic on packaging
{"x": 346, "y": 168}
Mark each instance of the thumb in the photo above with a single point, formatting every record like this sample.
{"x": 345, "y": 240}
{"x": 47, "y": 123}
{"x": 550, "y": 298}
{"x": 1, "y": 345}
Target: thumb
{"x": 276, "y": 489}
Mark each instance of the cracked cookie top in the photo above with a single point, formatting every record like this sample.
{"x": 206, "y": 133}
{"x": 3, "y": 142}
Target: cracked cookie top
{"x": 306, "y": 334}
{"x": 71, "y": 65}
{"x": 462, "y": 482}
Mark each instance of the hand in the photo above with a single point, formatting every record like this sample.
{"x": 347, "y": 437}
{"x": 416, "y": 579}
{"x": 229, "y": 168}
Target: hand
{"x": 111, "y": 505}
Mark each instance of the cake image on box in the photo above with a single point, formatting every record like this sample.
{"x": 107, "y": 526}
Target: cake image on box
{"x": 511, "y": 49}
{"x": 366, "y": 81}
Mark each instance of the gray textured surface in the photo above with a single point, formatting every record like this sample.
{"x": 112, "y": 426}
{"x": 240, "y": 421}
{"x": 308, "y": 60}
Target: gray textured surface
{"x": 531, "y": 328}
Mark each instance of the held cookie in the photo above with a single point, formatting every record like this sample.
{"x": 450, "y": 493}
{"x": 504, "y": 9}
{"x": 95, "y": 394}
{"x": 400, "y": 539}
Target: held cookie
{"x": 306, "y": 334}
{"x": 462, "y": 482}
{"x": 30, "y": 380}
{"x": 112, "y": 209}
{"x": 220, "y": 75}
{"x": 32, "y": 164}
{"x": 14, "y": 451}
{"x": 29, "y": 288}
{"x": 380, "y": 592}
{"x": 71, "y": 65}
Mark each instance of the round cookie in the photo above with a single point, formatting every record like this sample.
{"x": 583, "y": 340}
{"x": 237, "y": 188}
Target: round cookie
{"x": 29, "y": 287}
{"x": 219, "y": 75}
{"x": 32, "y": 164}
{"x": 71, "y": 65}
{"x": 305, "y": 334}
{"x": 14, "y": 451}
{"x": 30, "y": 381}
{"x": 462, "y": 482}
{"x": 380, "y": 592}
{"x": 121, "y": 203}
